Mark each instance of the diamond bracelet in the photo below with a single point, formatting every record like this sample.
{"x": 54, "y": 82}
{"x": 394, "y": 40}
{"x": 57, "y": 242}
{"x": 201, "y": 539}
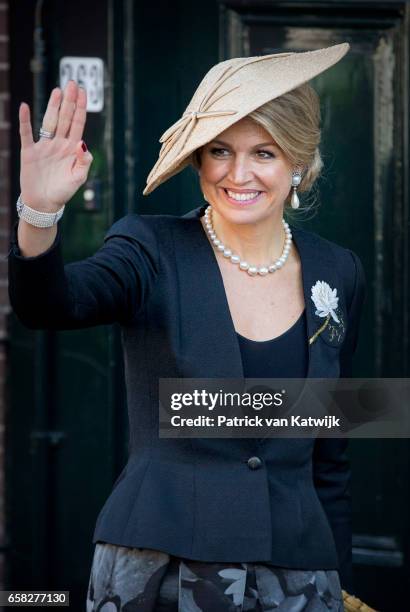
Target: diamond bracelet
{"x": 37, "y": 218}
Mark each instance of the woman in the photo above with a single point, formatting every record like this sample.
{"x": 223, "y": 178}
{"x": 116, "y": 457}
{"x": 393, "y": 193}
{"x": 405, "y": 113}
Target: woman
{"x": 228, "y": 290}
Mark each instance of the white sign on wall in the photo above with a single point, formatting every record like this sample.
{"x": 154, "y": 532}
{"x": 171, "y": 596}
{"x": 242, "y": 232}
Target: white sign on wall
{"x": 89, "y": 73}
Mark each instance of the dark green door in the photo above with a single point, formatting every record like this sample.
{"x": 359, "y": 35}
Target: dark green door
{"x": 360, "y": 204}
{"x": 67, "y": 422}
{"x": 67, "y": 427}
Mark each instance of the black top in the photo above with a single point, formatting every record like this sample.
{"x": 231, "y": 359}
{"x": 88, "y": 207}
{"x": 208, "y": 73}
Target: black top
{"x": 285, "y": 356}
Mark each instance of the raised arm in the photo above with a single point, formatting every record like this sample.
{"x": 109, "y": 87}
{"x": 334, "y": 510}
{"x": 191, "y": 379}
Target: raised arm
{"x": 109, "y": 286}
{"x": 52, "y": 169}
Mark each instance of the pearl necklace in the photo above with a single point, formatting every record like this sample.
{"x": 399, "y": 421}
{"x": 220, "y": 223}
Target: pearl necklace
{"x": 235, "y": 259}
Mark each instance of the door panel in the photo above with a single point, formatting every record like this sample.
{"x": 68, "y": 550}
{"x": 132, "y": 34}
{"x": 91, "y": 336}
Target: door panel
{"x": 358, "y": 204}
{"x": 66, "y": 425}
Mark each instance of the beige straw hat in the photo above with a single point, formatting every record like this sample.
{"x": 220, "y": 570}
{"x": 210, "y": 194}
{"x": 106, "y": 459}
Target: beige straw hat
{"x": 229, "y": 91}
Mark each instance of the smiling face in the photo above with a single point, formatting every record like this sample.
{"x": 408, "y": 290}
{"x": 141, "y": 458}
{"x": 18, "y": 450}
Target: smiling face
{"x": 244, "y": 175}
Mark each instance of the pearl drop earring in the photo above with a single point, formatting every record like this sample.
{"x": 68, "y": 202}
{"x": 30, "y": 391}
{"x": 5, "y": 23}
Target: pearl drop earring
{"x": 296, "y": 179}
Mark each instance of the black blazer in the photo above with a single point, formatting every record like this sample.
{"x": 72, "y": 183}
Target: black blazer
{"x": 157, "y": 275}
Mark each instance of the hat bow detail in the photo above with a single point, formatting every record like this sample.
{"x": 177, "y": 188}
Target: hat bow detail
{"x": 177, "y": 135}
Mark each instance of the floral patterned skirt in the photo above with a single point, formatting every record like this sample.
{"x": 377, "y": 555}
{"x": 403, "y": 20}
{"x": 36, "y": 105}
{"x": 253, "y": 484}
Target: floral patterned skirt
{"x": 144, "y": 580}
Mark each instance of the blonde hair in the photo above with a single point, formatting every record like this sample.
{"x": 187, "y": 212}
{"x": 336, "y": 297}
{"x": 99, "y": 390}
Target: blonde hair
{"x": 293, "y": 121}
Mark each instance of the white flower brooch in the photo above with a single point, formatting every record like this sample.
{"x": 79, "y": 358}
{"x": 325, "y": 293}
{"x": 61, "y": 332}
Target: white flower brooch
{"x": 326, "y": 302}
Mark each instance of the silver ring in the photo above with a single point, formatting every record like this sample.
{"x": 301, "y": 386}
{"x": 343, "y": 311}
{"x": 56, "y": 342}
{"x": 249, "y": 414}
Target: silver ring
{"x": 45, "y": 134}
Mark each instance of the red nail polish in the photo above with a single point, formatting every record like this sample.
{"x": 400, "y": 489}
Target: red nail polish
{"x": 84, "y": 146}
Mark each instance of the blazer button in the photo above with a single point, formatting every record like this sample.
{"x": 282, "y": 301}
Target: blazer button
{"x": 254, "y": 463}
